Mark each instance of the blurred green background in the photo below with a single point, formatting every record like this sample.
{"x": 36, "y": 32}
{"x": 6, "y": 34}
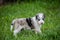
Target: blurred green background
{"x": 29, "y": 8}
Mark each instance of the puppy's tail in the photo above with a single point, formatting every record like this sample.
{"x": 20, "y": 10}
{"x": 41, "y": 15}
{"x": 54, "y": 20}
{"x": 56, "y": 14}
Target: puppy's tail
{"x": 12, "y": 25}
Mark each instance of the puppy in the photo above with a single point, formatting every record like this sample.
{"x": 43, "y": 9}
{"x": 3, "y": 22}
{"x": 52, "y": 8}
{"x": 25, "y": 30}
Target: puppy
{"x": 28, "y": 23}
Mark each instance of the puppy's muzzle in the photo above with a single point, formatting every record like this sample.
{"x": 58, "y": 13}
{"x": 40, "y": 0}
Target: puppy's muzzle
{"x": 41, "y": 22}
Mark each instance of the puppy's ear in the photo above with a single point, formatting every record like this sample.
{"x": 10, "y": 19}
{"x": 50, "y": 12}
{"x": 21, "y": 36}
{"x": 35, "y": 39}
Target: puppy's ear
{"x": 36, "y": 16}
{"x": 44, "y": 15}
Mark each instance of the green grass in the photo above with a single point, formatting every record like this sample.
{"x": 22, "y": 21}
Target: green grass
{"x": 50, "y": 30}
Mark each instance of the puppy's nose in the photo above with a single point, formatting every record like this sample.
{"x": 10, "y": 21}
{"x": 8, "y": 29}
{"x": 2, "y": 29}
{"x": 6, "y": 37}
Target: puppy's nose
{"x": 41, "y": 23}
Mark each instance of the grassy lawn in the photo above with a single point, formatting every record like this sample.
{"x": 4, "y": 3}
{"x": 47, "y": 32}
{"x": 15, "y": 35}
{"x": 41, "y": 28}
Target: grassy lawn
{"x": 50, "y": 30}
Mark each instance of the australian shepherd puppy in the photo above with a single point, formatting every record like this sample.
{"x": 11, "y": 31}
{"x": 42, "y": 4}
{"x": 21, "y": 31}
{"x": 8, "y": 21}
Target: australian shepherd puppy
{"x": 28, "y": 23}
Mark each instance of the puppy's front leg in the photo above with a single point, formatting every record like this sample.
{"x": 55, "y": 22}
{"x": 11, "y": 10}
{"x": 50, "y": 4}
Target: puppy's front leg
{"x": 37, "y": 30}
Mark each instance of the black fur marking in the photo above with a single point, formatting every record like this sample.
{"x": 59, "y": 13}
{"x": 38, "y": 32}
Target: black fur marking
{"x": 28, "y": 20}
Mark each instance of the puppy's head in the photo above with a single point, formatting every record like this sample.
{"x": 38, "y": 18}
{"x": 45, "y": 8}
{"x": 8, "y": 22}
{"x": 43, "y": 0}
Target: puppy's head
{"x": 40, "y": 18}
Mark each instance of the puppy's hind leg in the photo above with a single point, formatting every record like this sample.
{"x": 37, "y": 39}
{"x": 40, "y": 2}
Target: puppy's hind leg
{"x": 17, "y": 30}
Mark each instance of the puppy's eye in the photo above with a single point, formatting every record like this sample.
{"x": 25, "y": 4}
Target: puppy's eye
{"x": 38, "y": 19}
{"x": 43, "y": 19}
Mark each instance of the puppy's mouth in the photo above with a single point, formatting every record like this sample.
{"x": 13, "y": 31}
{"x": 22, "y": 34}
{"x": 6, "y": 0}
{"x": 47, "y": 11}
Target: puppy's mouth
{"x": 41, "y": 23}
